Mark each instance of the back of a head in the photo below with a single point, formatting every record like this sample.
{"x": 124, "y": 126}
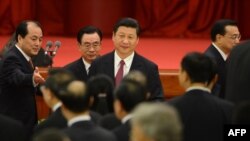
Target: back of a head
{"x": 157, "y": 121}
{"x": 127, "y": 22}
{"x": 219, "y": 27}
{"x": 130, "y": 93}
{"x": 57, "y": 80}
{"x": 137, "y": 76}
{"x": 101, "y": 87}
{"x": 75, "y": 97}
{"x": 51, "y": 135}
{"x": 199, "y": 67}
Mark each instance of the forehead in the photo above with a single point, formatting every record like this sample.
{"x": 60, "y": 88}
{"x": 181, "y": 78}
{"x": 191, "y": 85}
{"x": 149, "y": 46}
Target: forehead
{"x": 34, "y": 30}
{"x": 90, "y": 37}
{"x": 232, "y": 29}
{"x": 126, "y": 30}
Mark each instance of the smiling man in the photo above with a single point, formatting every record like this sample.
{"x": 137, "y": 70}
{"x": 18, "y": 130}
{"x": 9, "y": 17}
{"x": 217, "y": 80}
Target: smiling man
{"x": 123, "y": 59}
{"x": 19, "y": 78}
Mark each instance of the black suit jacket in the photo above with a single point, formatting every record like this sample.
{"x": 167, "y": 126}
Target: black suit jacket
{"x": 88, "y": 131}
{"x": 238, "y": 76}
{"x": 11, "y": 130}
{"x": 219, "y": 87}
{"x": 203, "y": 115}
{"x": 109, "y": 121}
{"x": 17, "y": 99}
{"x": 105, "y": 65}
{"x": 57, "y": 120}
{"x": 78, "y": 69}
{"x": 122, "y": 132}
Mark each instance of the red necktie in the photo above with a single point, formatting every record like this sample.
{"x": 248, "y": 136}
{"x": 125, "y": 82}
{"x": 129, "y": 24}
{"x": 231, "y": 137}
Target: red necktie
{"x": 119, "y": 74}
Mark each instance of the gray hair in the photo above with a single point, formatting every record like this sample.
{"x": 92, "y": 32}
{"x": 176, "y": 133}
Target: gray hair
{"x": 158, "y": 121}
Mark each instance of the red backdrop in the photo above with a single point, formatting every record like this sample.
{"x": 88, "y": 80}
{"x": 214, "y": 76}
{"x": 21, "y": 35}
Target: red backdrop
{"x": 165, "y": 18}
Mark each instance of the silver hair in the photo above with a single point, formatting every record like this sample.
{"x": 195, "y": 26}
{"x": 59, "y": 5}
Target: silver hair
{"x": 158, "y": 121}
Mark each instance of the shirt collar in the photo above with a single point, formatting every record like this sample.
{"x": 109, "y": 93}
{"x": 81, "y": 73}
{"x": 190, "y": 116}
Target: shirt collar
{"x": 224, "y": 56}
{"x": 126, "y": 118}
{"x": 128, "y": 60}
{"x": 56, "y": 106}
{"x": 198, "y": 88}
{"x": 78, "y": 118}
{"x": 87, "y": 65}
{"x": 24, "y": 54}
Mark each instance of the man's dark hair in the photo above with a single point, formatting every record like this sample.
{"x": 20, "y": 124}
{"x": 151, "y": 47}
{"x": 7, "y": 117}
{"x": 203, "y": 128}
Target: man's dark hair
{"x": 219, "y": 27}
{"x": 130, "y": 93}
{"x": 22, "y": 28}
{"x": 75, "y": 97}
{"x": 128, "y": 22}
{"x": 58, "y": 80}
{"x": 199, "y": 67}
{"x": 88, "y": 30}
{"x": 101, "y": 87}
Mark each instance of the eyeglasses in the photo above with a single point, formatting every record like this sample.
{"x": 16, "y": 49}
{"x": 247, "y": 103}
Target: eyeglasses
{"x": 88, "y": 45}
{"x": 234, "y": 37}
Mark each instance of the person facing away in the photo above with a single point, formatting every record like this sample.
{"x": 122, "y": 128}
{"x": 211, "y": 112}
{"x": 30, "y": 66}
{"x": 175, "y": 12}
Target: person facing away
{"x": 155, "y": 122}
{"x": 238, "y": 76}
{"x": 58, "y": 78}
{"x": 89, "y": 40}
{"x": 203, "y": 114}
{"x": 224, "y": 35}
{"x": 19, "y": 78}
{"x": 123, "y": 59}
{"x": 101, "y": 87}
{"x": 75, "y": 107}
{"x": 127, "y": 96}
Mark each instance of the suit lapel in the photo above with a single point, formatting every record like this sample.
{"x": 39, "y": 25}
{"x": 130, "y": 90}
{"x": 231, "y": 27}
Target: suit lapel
{"x": 23, "y": 60}
{"x": 136, "y": 63}
{"x": 109, "y": 65}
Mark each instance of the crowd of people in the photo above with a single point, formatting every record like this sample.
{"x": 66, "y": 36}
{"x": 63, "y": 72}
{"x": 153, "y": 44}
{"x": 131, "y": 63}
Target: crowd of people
{"x": 118, "y": 96}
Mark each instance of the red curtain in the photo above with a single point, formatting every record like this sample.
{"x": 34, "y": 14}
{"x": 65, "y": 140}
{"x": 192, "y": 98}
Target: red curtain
{"x": 160, "y": 18}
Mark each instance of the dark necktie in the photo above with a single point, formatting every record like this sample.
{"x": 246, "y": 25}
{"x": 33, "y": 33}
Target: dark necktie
{"x": 119, "y": 74}
{"x": 31, "y": 64}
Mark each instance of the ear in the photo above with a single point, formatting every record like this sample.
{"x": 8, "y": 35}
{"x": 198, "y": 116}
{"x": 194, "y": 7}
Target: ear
{"x": 19, "y": 38}
{"x": 218, "y": 38}
{"x": 118, "y": 109}
{"x": 213, "y": 81}
{"x": 113, "y": 36}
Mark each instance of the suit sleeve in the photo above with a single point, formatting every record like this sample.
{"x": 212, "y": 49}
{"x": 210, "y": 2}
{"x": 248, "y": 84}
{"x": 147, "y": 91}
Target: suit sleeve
{"x": 14, "y": 73}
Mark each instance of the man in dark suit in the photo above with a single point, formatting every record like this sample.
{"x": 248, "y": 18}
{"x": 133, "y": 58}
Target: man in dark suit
{"x": 11, "y": 130}
{"x": 238, "y": 76}
{"x": 89, "y": 40}
{"x": 203, "y": 115}
{"x": 19, "y": 78}
{"x": 127, "y": 96}
{"x": 224, "y": 35}
{"x": 75, "y": 107}
{"x": 58, "y": 78}
{"x": 123, "y": 59}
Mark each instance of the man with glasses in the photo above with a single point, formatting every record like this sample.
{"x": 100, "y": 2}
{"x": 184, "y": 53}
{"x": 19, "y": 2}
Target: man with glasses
{"x": 224, "y": 35}
{"x": 89, "y": 44}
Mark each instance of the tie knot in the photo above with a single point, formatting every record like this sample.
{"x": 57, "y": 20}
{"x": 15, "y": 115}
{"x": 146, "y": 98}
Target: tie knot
{"x": 122, "y": 62}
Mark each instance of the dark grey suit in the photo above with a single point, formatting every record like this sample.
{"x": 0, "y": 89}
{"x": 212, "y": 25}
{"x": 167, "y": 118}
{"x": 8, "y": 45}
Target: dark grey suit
{"x": 122, "y": 132}
{"x": 238, "y": 76}
{"x": 203, "y": 115}
{"x": 105, "y": 65}
{"x": 219, "y": 87}
{"x": 87, "y": 130}
{"x": 78, "y": 69}
{"x": 17, "y": 99}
